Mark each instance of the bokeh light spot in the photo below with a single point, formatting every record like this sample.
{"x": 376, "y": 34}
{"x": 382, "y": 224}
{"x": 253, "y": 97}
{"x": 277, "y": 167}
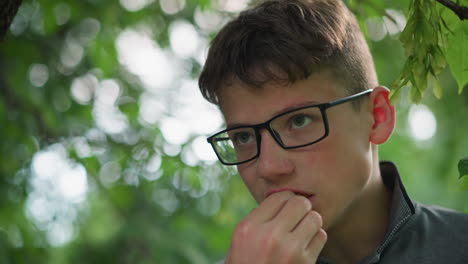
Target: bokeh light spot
{"x": 151, "y": 108}
{"x": 109, "y": 173}
{"x": 396, "y": 24}
{"x": 233, "y": 5}
{"x": 143, "y": 57}
{"x": 171, "y": 7}
{"x": 58, "y": 190}
{"x": 166, "y": 199}
{"x": 174, "y": 131}
{"x": 422, "y": 122}
{"x": 135, "y": 5}
{"x": 208, "y": 20}
{"x": 107, "y": 115}
{"x": 375, "y": 28}
{"x": 72, "y": 53}
{"x": 203, "y": 150}
{"x": 62, "y": 13}
{"x": 184, "y": 38}
{"x": 38, "y": 74}
{"x": 83, "y": 88}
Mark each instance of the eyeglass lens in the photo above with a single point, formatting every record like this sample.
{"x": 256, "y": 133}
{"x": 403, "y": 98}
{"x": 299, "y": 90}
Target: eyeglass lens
{"x": 292, "y": 129}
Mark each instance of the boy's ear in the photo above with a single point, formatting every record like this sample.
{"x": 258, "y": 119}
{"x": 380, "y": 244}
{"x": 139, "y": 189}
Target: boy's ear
{"x": 383, "y": 115}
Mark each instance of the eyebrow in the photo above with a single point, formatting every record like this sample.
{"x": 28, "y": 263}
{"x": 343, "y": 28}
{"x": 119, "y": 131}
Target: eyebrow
{"x": 286, "y": 109}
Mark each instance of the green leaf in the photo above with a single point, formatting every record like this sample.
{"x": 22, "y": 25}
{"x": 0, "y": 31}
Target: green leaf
{"x": 395, "y": 94}
{"x": 406, "y": 37}
{"x": 419, "y": 81}
{"x": 457, "y": 55}
{"x": 439, "y": 62}
{"x": 437, "y": 88}
{"x": 463, "y": 167}
{"x": 464, "y": 183}
{"x": 416, "y": 95}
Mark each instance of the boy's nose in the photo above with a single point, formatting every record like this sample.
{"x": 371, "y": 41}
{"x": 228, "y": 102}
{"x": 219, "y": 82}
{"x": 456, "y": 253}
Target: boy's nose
{"x": 274, "y": 162}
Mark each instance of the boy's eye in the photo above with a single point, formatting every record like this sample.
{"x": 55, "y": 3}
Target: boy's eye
{"x": 300, "y": 121}
{"x": 242, "y": 138}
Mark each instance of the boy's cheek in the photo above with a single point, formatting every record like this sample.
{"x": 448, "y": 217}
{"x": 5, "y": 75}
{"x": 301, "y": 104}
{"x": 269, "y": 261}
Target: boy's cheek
{"x": 250, "y": 182}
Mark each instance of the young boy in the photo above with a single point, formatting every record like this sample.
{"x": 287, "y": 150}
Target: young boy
{"x": 297, "y": 87}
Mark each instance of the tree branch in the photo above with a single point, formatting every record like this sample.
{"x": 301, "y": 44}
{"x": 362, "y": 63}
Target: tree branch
{"x": 461, "y": 11}
{"x": 8, "y": 10}
{"x": 15, "y": 104}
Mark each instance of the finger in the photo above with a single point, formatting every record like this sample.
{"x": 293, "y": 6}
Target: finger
{"x": 307, "y": 228}
{"x": 270, "y": 207}
{"x": 292, "y": 213}
{"x": 317, "y": 243}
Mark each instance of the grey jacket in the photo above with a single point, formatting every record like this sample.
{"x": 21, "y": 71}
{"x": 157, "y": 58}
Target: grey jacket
{"x": 418, "y": 233}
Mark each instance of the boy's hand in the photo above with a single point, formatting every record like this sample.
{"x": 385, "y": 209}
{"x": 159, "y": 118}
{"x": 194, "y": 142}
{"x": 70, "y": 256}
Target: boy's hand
{"x": 282, "y": 229}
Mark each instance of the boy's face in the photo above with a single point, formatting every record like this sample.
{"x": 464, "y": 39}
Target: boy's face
{"x": 335, "y": 170}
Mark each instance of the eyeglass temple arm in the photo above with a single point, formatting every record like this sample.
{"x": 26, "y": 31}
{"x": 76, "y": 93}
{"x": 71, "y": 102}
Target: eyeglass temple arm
{"x": 349, "y": 98}
{"x": 220, "y": 139}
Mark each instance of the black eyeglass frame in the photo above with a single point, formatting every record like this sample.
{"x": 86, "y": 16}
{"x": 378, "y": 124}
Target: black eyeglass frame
{"x": 266, "y": 125}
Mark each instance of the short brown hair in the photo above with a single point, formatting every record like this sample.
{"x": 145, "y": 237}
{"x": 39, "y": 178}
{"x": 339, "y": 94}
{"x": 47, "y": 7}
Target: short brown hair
{"x": 288, "y": 40}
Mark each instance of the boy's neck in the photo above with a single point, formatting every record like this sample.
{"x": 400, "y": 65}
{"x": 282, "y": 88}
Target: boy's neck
{"x": 364, "y": 227}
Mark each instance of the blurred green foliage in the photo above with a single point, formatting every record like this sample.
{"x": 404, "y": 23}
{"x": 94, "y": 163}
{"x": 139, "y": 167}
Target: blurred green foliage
{"x": 431, "y": 38}
{"x": 147, "y": 199}
{"x": 463, "y": 167}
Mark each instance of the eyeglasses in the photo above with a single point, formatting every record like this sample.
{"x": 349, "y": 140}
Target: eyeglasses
{"x": 296, "y": 128}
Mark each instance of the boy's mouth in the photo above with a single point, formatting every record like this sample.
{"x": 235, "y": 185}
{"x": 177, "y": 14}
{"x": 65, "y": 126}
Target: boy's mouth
{"x": 295, "y": 191}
